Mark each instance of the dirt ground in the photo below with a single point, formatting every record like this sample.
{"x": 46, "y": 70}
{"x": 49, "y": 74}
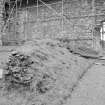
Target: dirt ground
{"x": 91, "y": 89}
{"x": 79, "y": 81}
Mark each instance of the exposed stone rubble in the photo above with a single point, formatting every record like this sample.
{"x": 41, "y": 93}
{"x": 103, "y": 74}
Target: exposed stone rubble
{"x": 17, "y": 69}
{"x": 50, "y": 70}
{"x": 81, "y": 49}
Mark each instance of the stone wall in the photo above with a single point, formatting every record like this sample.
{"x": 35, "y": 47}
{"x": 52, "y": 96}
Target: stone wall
{"x": 100, "y": 9}
{"x": 76, "y": 22}
{"x": 79, "y": 20}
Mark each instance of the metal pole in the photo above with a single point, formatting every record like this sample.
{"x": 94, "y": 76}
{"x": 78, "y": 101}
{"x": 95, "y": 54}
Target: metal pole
{"x": 9, "y": 17}
{"x": 37, "y": 8}
{"x": 94, "y": 11}
{"x": 27, "y": 2}
{"x": 62, "y": 16}
{"x": 20, "y": 3}
{"x": 15, "y": 23}
{"x": 27, "y": 21}
{"x": 49, "y": 6}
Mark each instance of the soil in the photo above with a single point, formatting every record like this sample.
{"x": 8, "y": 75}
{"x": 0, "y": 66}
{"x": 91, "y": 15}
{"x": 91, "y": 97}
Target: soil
{"x": 56, "y": 74}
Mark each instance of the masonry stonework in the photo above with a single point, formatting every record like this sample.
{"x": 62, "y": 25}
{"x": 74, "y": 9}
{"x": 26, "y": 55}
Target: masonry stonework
{"x": 76, "y": 20}
{"x": 79, "y": 20}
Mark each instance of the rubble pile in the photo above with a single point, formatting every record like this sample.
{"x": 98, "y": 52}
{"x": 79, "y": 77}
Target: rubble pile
{"x": 17, "y": 69}
{"x": 48, "y": 67}
{"x": 81, "y": 49}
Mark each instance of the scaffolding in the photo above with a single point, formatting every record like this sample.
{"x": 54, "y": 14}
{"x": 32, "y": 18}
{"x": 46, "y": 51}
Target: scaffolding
{"x": 15, "y": 7}
{"x": 64, "y": 16}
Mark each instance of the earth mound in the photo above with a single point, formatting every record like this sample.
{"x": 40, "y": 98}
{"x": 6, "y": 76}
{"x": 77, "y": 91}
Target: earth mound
{"x": 42, "y": 72}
